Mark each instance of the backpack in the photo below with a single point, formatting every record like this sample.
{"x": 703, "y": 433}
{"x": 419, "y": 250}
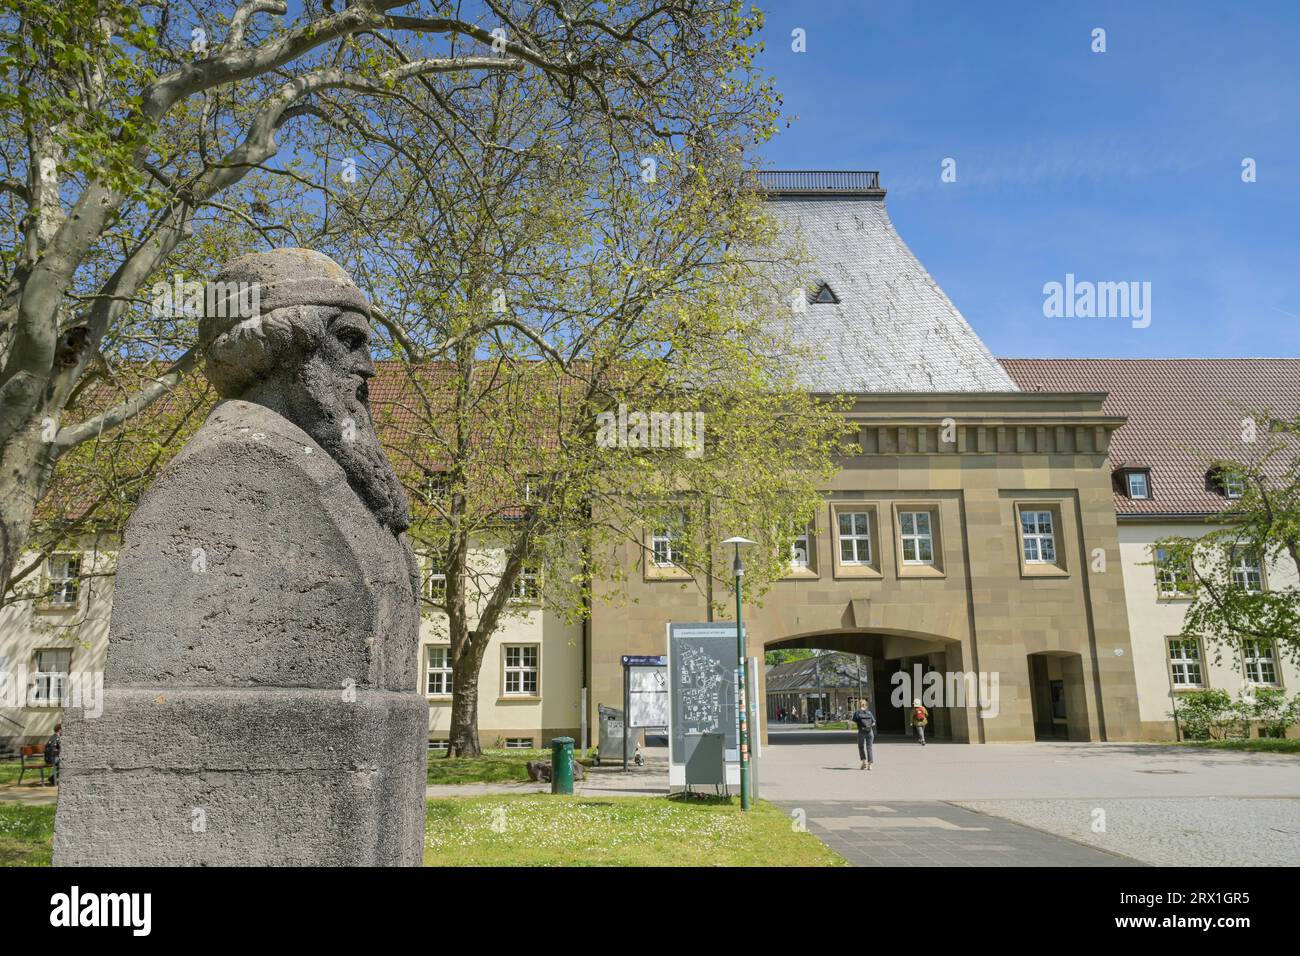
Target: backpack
{"x": 51, "y": 751}
{"x": 865, "y": 723}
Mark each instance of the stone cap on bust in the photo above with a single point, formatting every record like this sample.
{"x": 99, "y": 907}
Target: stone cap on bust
{"x": 294, "y": 277}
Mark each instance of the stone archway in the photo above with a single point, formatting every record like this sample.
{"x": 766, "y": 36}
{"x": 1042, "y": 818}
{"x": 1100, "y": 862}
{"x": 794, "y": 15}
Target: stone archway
{"x": 913, "y": 653}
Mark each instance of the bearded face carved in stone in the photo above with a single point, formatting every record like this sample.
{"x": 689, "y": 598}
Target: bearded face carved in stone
{"x": 307, "y": 357}
{"x": 325, "y": 391}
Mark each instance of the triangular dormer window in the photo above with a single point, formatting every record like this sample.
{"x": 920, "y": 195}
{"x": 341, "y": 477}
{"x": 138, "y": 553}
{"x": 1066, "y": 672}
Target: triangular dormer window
{"x": 823, "y": 295}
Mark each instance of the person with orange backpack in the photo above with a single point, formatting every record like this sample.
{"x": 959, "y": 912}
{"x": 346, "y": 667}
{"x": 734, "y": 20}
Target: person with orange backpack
{"x": 920, "y": 717}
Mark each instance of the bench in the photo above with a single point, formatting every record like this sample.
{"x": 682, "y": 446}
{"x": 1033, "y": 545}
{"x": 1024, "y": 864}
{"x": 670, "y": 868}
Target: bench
{"x": 33, "y": 757}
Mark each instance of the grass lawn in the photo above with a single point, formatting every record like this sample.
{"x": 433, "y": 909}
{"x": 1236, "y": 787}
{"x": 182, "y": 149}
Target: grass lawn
{"x": 495, "y": 766}
{"x": 544, "y": 830}
{"x": 9, "y": 771}
{"x": 26, "y": 834}
{"x": 1270, "y": 745}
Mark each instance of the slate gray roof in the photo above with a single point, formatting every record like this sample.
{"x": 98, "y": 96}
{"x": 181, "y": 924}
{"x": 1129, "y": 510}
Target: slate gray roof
{"x": 893, "y": 329}
{"x": 837, "y": 670}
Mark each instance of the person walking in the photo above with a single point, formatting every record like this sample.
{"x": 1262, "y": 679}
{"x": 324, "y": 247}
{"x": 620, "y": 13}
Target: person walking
{"x": 866, "y": 724}
{"x": 920, "y": 717}
{"x": 53, "y": 749}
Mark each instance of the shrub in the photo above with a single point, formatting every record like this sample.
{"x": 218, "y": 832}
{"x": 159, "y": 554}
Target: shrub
{"x": 1274, "y": 712}
{"x": 1204, "y": 714}
{"x": 1215, "y": 715}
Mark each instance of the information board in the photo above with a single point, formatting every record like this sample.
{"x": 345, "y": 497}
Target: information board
{"x": 702, "y": 686}
{"x": 648, "y": 696}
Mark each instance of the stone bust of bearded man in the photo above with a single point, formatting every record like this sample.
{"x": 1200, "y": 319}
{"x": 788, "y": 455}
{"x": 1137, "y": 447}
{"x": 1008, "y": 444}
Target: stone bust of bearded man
{"x": 265, "y": 627}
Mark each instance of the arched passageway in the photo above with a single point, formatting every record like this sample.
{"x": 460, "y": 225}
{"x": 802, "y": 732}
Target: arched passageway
{"x": 889, "y": 669}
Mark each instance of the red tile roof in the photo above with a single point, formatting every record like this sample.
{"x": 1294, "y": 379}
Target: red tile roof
{"x": 1181, "y": 413}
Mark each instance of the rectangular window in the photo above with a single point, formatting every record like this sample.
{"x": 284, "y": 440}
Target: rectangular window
{"x": 437, "y": 487}
{"x": 1039, "y": 539}
{"x": 1234, "y": 484}
{"x": 918, "y": 538}
{"x": 1185, "y": 662}
{"x": 439, "y": 671}
{"x": 1139, "y": 484}
{"x": 1246, "y": 572}
{"x": 519, "y": 743}
{"x": 1260, "y": 662}
{"x": 855, "y": 537}
{"x": 521, "y": 670}
{"x": 64, "y": 574}
{"x": 439, "y": 746}
{"x": 801, "y": 549}
{"x": 1173, "y": 580}
{"x": 665, "y": 550}
{"x": 528, "y": 586}
{"x": 435, "y": 582}
{"x": 49, "y": 683}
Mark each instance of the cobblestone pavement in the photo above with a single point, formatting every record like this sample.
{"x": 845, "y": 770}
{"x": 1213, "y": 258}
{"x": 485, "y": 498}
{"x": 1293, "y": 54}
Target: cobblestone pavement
{"x": 1169, "y": 831}
{"x": 912, "y": 834}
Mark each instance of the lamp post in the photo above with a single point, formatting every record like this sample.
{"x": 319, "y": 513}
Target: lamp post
{"x": 742, "y": 705}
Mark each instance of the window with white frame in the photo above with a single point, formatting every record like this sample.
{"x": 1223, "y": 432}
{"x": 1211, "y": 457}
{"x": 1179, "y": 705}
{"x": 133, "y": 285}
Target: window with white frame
{"x": 49, "y": 681}
{"x": 1259, "y": 661}
{"x": 1234, "y": 484}
{"x": 439, "y": 746}
{"x": 665, "y": 546}
{"x": 521, "y": 670}
{"x": 435, "y": 581}
{"x": 1038, "y": 536}
{"x": 436, "y": 487}
{"x": 1139, "y": 484}
{"x": 1246, "y": 572}
{"x": 801, "y": 549}
{"x": 1185, "y": 662}
{"x": 519, "y": 743}
{"x": 917, "y": 537}
{"x": 528, "y": 585}
{"x": 1173, "y": 578}
{"x": 532, "y": 487}
{"x": 63, "y": 580}
{"x": 438, "y": 669}
{"x": 855, "y": 537}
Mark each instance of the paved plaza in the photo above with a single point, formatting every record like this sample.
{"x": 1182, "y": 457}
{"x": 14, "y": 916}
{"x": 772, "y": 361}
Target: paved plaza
{"x": 1054, "y": 804}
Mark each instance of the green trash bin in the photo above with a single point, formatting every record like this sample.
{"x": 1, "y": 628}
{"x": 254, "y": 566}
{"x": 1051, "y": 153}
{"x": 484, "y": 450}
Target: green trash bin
{"x": 562, "y": 765}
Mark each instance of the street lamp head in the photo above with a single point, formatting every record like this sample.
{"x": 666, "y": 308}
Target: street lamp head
{"x": 738, "y": 566}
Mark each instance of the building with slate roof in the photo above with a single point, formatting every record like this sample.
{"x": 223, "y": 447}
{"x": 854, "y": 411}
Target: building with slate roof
{"x": 827, "y": 685}
{"x": 989, "y": 526}
{"x": 958, "y": 542}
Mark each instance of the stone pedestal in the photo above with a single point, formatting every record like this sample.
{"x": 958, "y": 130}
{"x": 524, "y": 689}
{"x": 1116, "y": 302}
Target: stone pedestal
{"x": 219, "y": 777}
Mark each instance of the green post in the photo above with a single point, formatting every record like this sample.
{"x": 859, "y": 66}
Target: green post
{"x": 562, "y": 765}
{"x": 741, "y": 703}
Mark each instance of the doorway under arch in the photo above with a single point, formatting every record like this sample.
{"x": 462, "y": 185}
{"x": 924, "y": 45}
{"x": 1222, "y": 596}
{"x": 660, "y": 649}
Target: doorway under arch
{"x": 1058, "y": 696}
{"x": 884, "y": 655}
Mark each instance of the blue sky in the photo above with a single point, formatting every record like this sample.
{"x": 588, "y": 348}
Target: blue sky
{"x": 1117, "y": 166}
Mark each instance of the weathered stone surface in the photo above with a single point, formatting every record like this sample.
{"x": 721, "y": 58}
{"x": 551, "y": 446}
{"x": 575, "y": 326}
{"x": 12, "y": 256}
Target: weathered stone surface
{"x": 209, "y": 777}
{"x": 301, "y": 587}
{"x": 260, "y": 698}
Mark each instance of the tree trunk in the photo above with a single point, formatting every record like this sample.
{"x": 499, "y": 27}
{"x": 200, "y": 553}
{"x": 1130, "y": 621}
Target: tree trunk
{"x": 24, "y": 470}
{"x": 463, "y": 739}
